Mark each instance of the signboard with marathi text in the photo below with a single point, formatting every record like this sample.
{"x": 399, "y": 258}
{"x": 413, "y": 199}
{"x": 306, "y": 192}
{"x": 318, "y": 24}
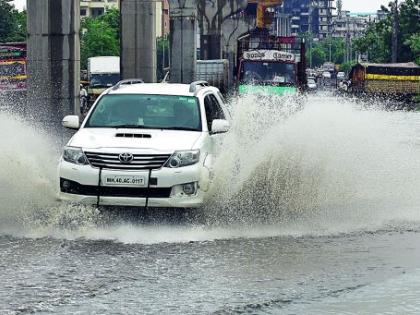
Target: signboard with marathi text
{"x": 10, "y": 53}
{"x": 269, "y": 55}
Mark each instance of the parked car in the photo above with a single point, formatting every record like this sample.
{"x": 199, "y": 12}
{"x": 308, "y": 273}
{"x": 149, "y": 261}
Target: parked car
{"x": 144, "y": 145}
{"x": 326, "y": 75}
{"x": 341, "y": 76}
{"x": 312, "y": 84}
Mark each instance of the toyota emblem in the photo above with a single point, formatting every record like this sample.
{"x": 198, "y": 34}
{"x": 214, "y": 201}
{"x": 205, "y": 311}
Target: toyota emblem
{"x": 126, "y": 157}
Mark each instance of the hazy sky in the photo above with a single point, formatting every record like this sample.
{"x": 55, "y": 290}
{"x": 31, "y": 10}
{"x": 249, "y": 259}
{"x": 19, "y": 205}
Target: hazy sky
{"x": 351, "y": 5}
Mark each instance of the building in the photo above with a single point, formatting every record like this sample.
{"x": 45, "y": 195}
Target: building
{"x": 162, "y": 19}
{"x": 348, "y": 25}
{"x": 311, "y": 16}
{"x": 281, "y": 24}
{"x": 96, "y": 7}
{"x": 93, "y": 8}
{"x": 381, "y": 15}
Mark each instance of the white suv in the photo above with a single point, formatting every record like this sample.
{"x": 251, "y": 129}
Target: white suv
{"x": 144, "y": 145}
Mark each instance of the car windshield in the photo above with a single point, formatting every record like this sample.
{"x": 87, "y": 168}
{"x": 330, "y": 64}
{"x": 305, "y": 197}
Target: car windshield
{"x": 268, "y": 72}
{"x": 104, "y": 80}
{"x": 146, "y": 111}
{"x": 311, "y": 81}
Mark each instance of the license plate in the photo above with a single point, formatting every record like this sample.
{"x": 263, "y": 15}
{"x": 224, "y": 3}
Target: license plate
{"x": 125, "y": 180}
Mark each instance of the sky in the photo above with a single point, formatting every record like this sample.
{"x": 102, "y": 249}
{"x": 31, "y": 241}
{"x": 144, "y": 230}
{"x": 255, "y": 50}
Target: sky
{"x": 351, "y": 5}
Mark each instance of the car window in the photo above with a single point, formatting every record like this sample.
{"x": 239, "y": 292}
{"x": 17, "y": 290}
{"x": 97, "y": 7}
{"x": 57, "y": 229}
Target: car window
{"x": 146, "y": 111}
{"x": 213, "y": 109}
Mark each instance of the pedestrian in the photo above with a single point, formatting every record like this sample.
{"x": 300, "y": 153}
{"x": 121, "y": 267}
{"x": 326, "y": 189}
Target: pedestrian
{"x": 83, "y": 99}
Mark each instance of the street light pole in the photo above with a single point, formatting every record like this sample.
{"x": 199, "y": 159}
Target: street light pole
{"x": 310, "y": 34}
{"x": 395, "y": 33}
{"x": 310, "y": 30}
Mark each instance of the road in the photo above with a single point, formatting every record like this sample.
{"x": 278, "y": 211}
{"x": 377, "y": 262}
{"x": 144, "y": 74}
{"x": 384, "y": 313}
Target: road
{"x": 315, "y": 210}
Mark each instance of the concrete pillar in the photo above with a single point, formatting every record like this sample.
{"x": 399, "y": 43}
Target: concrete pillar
{"x": 53, "y": 60}
{"x": 138, "y": 39}
{"x": 183, "y": 40}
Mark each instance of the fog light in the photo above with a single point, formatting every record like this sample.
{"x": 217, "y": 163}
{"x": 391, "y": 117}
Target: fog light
{"x": 189, "y": 189}
{"x": 66, "y": 185}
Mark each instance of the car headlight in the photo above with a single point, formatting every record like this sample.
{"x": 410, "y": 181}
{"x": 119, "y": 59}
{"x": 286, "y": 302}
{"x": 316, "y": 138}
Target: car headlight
{"x": 75, "y": 155}
{"x": 183, "y": 158}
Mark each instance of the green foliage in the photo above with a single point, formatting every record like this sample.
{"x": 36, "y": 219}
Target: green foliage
{"x": 12, "y": 23}
{"x": 162, "y": 47}
{"x": 346, "y": 66}
{"x": 377, "y": 39}
{"x": 318, "y": 56}
{"x": 333, "y": 49}
{"x": 414, "y": 43}
{"x": 99, "y": 36}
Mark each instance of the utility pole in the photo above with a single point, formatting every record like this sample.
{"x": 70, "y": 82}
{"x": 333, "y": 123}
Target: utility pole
{"x": 310, "y": 35}
{"x": 312, "y": 4}
{"x": 395, "y": 33}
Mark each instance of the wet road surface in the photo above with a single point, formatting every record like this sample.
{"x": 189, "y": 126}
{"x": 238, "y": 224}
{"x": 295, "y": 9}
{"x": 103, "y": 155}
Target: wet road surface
{"x": 318, "y": 215}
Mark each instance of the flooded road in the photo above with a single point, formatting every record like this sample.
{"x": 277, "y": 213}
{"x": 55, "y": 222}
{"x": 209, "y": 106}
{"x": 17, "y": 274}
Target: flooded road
{"x": 315, "y": 210}
{"x": 363, "y": 273}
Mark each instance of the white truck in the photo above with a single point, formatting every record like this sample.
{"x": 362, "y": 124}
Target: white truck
{"x": 103, "y": 72}
{"x": 215, "y": 72}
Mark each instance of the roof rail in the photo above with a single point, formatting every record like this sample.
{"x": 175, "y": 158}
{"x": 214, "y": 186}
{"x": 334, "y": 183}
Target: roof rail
{"x": 196, "y": 84}
{"x": 127, "y": 82}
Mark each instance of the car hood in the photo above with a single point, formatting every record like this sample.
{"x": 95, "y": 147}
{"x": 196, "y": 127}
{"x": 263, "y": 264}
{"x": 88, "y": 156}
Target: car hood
{"x": 142, "y": 139}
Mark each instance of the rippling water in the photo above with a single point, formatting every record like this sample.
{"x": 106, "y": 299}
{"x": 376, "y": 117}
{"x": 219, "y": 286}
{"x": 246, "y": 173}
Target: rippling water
{"x": 314, "y": 210}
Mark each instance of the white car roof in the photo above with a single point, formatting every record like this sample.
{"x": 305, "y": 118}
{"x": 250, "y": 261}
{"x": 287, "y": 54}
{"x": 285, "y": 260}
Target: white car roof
{"x": 153, "y": 88}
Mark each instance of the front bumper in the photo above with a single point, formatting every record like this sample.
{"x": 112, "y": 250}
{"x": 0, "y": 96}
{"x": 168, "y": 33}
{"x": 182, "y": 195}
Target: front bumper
{"x": 162, "y": 188}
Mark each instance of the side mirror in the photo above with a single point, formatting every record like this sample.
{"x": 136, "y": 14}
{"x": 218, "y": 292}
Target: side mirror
{"x": 220, "y": 126}
{"x": 71, "y": 122}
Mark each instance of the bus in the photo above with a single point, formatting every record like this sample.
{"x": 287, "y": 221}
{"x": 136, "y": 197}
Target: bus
{"x": 13, "y": 67}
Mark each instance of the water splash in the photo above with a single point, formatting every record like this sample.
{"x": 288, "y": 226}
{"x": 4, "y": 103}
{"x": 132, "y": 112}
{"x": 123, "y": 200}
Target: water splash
{"x": 330, "y": 163}
{"x": 288, "y": 167}
{"x": 27, "y": 175}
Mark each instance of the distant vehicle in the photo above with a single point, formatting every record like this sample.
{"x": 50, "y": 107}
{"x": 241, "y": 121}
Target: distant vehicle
{"x": 13, "y": 72}
{"x": 270, "y": 65}
{"x": 215, "y": 72}
{"x": 326, "y": 75}
{"x": 328, "y": 66}
{"x": 103, "y": 72}
{"x": 145, "y": 145}
{"x": 312, "y": 84}
{"x": 400, "y": 80}
{"x": 310, "y": 72}
{"x": 341, "y": 75}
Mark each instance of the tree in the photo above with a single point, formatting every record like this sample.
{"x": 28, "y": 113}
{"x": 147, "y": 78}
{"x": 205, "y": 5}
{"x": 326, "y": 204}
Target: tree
{"x": 318, "y": 55}
{"x": 20, "y": 31}
{"x": 99, "y": 36}
{"x": 162, "y": 49}
{"x": 12, "y": 23}
{"x": 377, "y": 39}
{"x": 321, "y": 51}
{"x": 414, "y": 43}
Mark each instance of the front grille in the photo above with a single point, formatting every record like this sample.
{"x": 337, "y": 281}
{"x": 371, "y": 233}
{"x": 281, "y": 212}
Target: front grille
{"x": 72, "y": 187}
{"x": 139, "y": 162}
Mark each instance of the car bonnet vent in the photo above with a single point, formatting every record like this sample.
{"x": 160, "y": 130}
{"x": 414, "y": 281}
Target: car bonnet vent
{"x": 133, "y": 135}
